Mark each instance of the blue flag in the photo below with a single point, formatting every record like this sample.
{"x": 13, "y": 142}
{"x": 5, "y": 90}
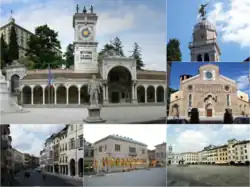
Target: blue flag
{"x": 49, "y": 78}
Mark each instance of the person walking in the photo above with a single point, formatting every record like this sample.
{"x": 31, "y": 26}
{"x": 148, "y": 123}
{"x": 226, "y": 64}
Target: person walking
{"x": 228, "y": 117}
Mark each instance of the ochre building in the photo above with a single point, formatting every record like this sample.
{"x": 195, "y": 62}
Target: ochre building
{"x": 210, "y": 92}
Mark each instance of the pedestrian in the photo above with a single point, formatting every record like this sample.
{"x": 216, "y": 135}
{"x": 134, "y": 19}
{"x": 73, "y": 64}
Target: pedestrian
{"x": 194, "y": 116}
{"x": 228, "y": 117}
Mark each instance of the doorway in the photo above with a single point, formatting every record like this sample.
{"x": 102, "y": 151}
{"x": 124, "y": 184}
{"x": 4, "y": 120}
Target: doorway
{"x": 209, "y": 112}
{"x": 115, "y": 97}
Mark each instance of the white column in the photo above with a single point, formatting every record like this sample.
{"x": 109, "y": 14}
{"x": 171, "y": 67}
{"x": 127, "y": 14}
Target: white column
{"x": 104, "y": 92}
{"x": 43, "y": 95}
{"x": 146, "y": 99}
{"x": 107, "y": 93}
{"x": 32, "y": 96}
{"x": 79, "y": 96}
{"x": 133, "y": 91}
{"x": 155, "y": 94}
{"x": 55, "y": 95}
{"x": 67, "y": 96}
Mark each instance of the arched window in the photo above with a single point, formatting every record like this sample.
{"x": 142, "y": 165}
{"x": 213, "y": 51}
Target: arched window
{"x": 190, "y": 100}
{"x": 199, "y": 58}
{"x": 206, "y": 57}
{"x": 228, "y": 100}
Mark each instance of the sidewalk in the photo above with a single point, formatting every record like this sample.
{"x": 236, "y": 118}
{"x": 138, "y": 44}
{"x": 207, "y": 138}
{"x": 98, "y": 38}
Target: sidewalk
{"x": 64, "y": 176}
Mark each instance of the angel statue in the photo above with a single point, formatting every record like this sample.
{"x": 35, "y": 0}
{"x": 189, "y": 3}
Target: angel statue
{"x": 202, "y": 10}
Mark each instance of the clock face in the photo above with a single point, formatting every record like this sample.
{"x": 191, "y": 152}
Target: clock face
{"x": 85, "y": 32}
{"x": 209, "y": 75}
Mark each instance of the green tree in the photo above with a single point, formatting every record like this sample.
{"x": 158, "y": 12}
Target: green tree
{"x": 42, "y": 47}
{"x": 69, "y": 55}
{"x": 13, "y": 51}
{"x": 106, "y": 47}
{"x": 117, "y": 43}
{"x": 136, "y": 55}
{"x": 173, "y": 50}
{"x": 3, "y": 52}
{"x": 27, "y": 62}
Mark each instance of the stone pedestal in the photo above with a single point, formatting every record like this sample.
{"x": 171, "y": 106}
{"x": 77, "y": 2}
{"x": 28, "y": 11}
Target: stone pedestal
{"x": 8, "y": 105}
{"x": 94, "y": 115}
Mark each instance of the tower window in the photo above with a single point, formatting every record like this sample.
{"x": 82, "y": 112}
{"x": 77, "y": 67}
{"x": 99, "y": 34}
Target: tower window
{"x": 190, "y": 100}
{"x": 228, "y": 100}
{"x": 199, "y": 58}
{"x": 206, "y": 57}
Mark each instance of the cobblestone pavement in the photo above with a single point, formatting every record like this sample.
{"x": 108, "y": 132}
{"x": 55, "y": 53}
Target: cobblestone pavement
{"x": 151, "y": 177}
{"x": 199, "y": 175}
{"x": 113, "y": 115}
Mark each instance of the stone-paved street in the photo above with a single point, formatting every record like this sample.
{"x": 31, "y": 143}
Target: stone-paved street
{"x": 113, "y": 115}
{"x": 151, "y": 177}
{"x": 36, "y": 179}
{"x": 199, "y": 175}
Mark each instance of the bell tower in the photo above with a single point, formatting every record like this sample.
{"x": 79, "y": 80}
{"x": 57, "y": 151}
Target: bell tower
{"x": 85, "y": 44}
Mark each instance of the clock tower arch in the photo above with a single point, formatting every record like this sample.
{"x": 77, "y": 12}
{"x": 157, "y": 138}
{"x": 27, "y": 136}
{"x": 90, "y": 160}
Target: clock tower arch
{"x": 85, "y": 44}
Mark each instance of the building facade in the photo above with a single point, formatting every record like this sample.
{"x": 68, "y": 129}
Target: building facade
{"x": 151, "y": 158}
{"x": 6, "y": 152}
{"x": 121, "y": 82}
{"x": 210, "y": 92}
{"x": 115, "y": 152}
{"x": 160, "y": 153}
{"x": 88, "y": 156}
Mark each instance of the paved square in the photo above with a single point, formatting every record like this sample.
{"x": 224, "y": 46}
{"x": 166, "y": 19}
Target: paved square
{"x": 113, "y": 115}
{"x": 208, "y": 175}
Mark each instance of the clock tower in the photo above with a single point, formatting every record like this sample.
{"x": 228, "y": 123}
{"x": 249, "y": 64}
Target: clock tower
{"x": 85, "y": 44}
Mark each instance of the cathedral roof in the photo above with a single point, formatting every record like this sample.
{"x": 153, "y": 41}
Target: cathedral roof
{"x": 204, "y": 24}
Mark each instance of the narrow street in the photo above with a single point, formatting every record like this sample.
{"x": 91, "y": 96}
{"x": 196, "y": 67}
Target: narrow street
{"x": 36, "y": 179}
{"x": 151, "y": 177}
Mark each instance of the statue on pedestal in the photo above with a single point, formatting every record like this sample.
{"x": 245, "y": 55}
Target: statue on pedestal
{"x": 91, "y": 9}
{"x": 77, "y": 8}
{"x": 94, "y": 110}
{"x": 84, "y": 10}
{"x": 94, "y": 91}
{"x": 202, "y": 10}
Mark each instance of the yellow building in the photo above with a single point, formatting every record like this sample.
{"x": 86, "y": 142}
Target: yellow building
{"x": 222, "y": 154}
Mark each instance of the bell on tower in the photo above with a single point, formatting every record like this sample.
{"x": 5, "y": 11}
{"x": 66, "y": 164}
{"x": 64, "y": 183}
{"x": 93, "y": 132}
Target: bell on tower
{"x": 85, "y": 44}
{"x": 204, "y": 47}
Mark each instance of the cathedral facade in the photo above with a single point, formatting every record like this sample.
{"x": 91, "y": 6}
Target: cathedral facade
{"x": 210, "y": 92}
{"x": 121, "y": 81}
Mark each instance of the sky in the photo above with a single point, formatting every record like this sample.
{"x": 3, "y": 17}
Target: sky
{"x": 149, "y": 134}
{"x": 236, "y": 71}
{"x": 31, "y": 138}
{"x": 193, "y": 138}
{"x": 231, "y": 18}
{"x": 141, "y": 21}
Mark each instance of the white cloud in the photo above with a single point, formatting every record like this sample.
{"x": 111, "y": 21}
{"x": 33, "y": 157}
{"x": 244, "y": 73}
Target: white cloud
{"x": 148, "y": 134}
{"x": 30, "y": 138}
{"x": 243, "y": 82}
{"x": 132, "y": 23}
{"x": 232, "y": 20}
{"x": 198, "y": 137}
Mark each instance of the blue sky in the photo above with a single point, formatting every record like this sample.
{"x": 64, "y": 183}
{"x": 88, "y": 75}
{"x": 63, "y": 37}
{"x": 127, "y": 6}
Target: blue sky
{"x": 31, "y": 138}
{"x": 230, "y": 17}
{"x": 236, "y": 71}
{"x": 186, "y": 138}
{"x": 141, "y": 21}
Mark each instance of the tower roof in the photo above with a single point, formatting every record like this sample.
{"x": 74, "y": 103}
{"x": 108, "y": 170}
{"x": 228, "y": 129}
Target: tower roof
{"x": 204, "y": 24}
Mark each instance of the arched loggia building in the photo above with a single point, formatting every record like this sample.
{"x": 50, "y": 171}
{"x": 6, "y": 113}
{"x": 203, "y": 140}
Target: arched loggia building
{"x": 121, "y": 82}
